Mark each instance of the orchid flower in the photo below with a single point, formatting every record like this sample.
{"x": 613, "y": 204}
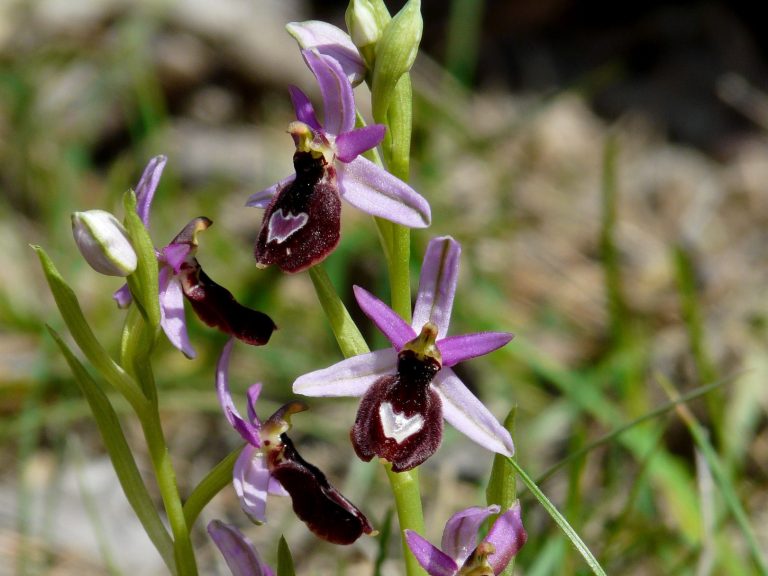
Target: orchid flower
{"x": 182, "y": 276}
{"x": 408, "y": 389}
{"x": 238, "y": 551}
{"x": 269, "y": 463}
{"x": 301, "y": 224}
{"x": 460, "y": 554}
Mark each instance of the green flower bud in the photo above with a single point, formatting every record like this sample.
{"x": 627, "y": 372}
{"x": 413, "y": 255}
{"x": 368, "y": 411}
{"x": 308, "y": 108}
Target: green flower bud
{"x": 364, "y": 28}
{"x": 395, "y": 54}
{"x": 104, "y": 243}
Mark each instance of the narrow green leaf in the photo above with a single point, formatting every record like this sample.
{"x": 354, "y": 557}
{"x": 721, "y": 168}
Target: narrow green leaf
{"x": 559, "y": 519}
{"x": 397, "y": 139}
{"x": 213, "y": 483}
{"x": 121, "y": 456}
{"x": 395, "y": 54}
{"x": 719, "y": 473}
{"x": 284, "y": 559}
{"x": 502, "y": 485}
{"x": 143, "y": 282}
{"x": 86, "y": 340}
{"x": 137, "y": 343}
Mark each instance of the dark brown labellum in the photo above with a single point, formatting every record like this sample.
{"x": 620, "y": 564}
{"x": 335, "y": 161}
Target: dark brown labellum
{"x": 319, "y": 505}
{"x": 216, "y": 306}
{"x": 302, "y": 222}
{"x": 400, "y": 417}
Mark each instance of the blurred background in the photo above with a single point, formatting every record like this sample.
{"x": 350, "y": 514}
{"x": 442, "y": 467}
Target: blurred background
{"x": 604, "y": 167}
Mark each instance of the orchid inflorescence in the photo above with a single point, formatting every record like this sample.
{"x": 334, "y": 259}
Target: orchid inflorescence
{"x": 407, "y": 390}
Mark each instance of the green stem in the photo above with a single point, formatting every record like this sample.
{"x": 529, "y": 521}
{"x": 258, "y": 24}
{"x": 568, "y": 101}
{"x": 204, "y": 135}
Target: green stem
{"x": 169, "y": 492}
{"x": 405, "y": 488}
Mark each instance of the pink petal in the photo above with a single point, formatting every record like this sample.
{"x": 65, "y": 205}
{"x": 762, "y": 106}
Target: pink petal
{"x": 338, "y": 100}
{"x": 145, "y": 189}
{"x": 238, "y": 551}
{"x": 455, "y": 349}
{"x": 468, "y": 415}
{"x": 350, "y": 377}
{"x": 305, "y": 112}
{"x": 387, "y": 320}
{"x": 172, "y": 318}
{"x": 374, "y": 190}
{"x": 123, "y": 296}
{"x": 250, "y": 478}
{"x": 350, "y": 145}
{"x": 434, "y": 561}
{"x": 437, "y": 285}
{"x": 460, "y": 533}
{"x": 331, "y": 41}
{"x": 248, "y": 432}
{"x": 508, "y": 536}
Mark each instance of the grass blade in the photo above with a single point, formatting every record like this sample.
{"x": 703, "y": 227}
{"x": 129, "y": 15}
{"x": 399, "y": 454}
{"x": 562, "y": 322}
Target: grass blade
{"x": 559, "y": 519}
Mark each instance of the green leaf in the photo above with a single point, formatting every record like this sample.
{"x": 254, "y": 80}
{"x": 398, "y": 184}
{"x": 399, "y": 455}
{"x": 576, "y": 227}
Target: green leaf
{"x": 502, "y": 485}
{"x": 70, "y": 310}
{"x": 136, "y": 346}
{"x": 397, "y": 139}
{"x": 121, "y": 456}
{"x": 213, "y": 483}
{"x": 727, "y": 489}
{"x": 284, "y": 559}
{"x": 559, "y": 519}
{"x": 144, "y": 281}
{"x": 395, "y": 54}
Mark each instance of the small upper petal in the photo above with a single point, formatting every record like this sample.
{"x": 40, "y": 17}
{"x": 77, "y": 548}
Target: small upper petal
{"x": 246, "y": 429}
{"x": 464, "y": 411}
{"x": 338, "y": 100}
{"x": 251, "y": 480}
{"x": 331, "y": 41}
{"x": 433, "y": 560}
{"x": 262, "y": 198}
{"x": 350, "y": 377}
{"x": 397, "y": 330}
{"x": 460, "y": 533}
{"x": 455, "y": 349}
{"x": 123, "y": 296}
{"x": 238, "y": 551}
{"x": 172, "y": 317}
{"x": 145, "y": 189}
{"x": 437, "y": 284}
{"x": 305, "y": 112}
{"x": 374, "y": 190}
{"x": 507, "y": 536}
{"x": 350, "y": 145}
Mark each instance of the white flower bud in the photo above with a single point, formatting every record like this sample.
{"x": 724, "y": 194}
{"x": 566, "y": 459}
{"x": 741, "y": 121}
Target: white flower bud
{"x": 104, "y": 243}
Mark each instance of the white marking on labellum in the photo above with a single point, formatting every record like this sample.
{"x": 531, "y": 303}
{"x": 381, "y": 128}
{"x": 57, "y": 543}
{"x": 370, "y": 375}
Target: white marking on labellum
{"x": 282, "y": 225}
{"x": 397, "y": 425}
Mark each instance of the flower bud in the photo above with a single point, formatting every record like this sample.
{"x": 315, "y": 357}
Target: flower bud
{"x": 104, "y": 243}
{"x": 363, "y": 26}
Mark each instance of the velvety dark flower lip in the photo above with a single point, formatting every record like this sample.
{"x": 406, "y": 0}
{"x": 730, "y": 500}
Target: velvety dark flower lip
{"x": 238, "y": 551}
{"x": 301, "y": 223}
{"x": 181, "y": 276}
{"x": 371, "y": 375}
{"x": 270, "y": 463}
{"x": 460, "y": 553}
